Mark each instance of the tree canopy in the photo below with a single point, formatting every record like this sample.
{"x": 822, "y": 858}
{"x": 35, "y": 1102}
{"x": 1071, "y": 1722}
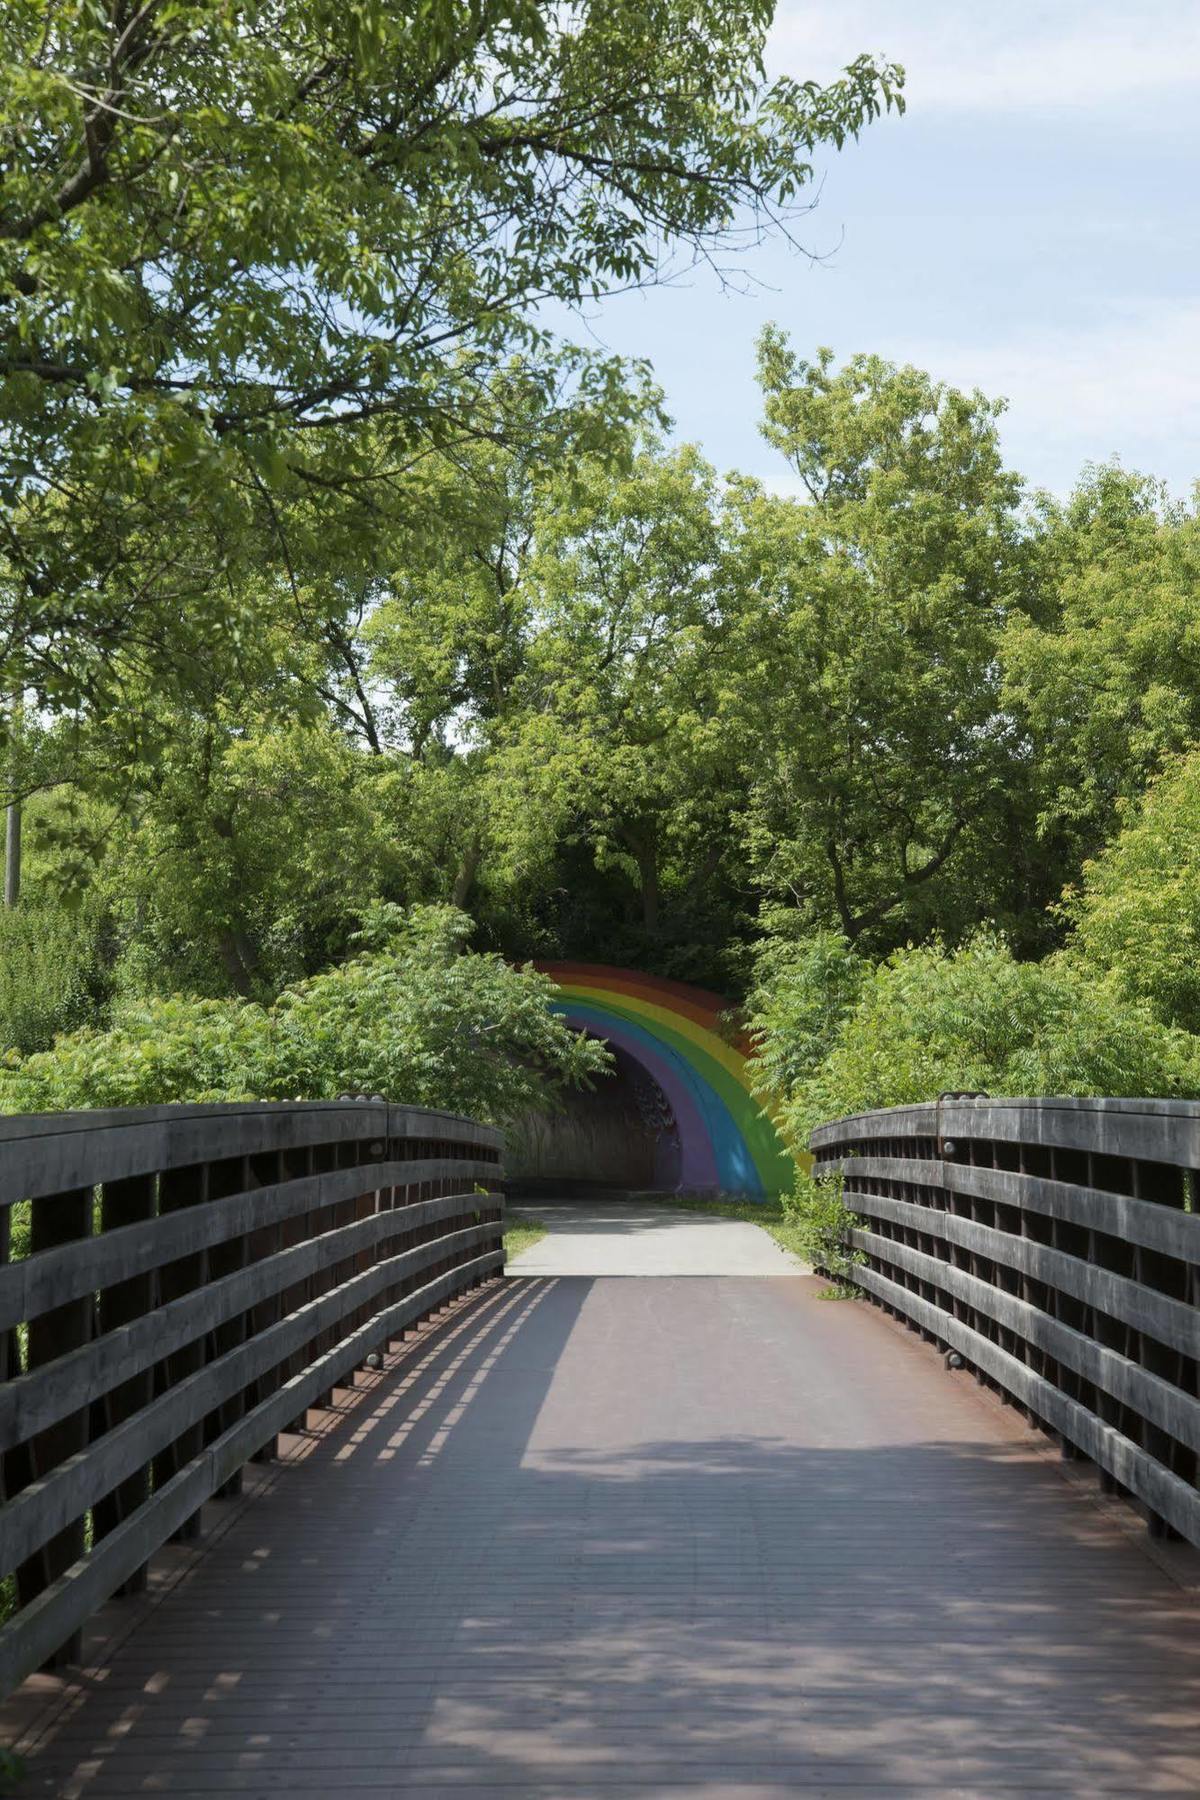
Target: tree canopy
{"x": 256, "y": 259}
{"x": 339, "y": 587}
{"x": 802, "y": 749}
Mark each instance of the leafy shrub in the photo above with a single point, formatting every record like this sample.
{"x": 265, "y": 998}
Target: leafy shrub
{"x": 50, "y": 979}
{"x": 415, "y": 1018}
{"x": 1138, "y": 915}
{"x": 930, "y": 1019}
{"x": 803, "y": 988}
{"x": 824, "y": 1222}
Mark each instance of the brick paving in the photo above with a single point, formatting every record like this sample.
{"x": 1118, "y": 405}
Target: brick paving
{"x": 620, "y": 1537}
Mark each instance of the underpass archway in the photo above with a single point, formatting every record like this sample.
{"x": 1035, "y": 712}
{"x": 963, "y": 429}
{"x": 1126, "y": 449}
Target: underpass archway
{"x": 677, "y": 1115}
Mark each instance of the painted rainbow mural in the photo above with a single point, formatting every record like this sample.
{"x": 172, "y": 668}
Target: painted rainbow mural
{"x": 727, "y": 1144}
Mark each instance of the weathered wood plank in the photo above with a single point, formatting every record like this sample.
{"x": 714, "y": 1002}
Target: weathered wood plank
{"x": 1148, "y": 1130}
{"x": 38, "y": 1283}
{"x": 52, "y": 1153}
{"x": 29, "y": 1639}
{"x": 174, "y": 1419}
{"x": 1161, "y": 1228}
{"x": 889, "y": 1122}
{"x": 34, "y": 1401}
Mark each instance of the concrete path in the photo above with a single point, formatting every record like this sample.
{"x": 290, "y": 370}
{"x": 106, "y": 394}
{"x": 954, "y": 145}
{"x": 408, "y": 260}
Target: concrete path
{"x": 632, "y": 1237}
{"x": 622, "y": 1538}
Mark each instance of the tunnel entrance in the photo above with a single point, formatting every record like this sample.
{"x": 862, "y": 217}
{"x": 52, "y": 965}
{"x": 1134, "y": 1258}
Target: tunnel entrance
{"x": 680, "y": 1112}
{"x": 621, "y": 1136}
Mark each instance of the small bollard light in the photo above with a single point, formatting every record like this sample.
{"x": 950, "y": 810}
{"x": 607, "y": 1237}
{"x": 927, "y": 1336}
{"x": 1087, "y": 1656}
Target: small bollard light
{"x": 374, "y": 1361}
{"x": 954, "y": 1360}
{"x": 949, "y": 1147}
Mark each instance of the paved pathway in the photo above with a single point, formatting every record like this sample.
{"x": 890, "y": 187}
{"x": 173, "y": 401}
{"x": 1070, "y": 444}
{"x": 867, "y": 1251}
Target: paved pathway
{"x": 612, "y": 1538}
{"x": 628, "y": 1237}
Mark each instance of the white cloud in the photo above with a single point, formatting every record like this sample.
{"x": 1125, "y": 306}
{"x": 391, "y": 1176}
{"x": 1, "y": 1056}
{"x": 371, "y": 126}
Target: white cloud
{"x": 1018, "y": 57}
{"x": 1127, "y": 385}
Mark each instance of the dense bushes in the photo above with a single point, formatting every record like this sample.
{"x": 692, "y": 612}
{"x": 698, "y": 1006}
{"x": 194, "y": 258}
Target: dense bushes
{"x": 930, "y": 1019}
{"x": 50, "y": 979}
{"x": 413, "y": 1017}
{"x": 1138, "y": 915}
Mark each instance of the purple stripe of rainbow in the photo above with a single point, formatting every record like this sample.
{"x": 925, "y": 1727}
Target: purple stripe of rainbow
{"x": 698, "y": 1162}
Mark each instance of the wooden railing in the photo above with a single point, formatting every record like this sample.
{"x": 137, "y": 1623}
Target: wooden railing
{"x": 191, "y": 1279}
{"x": 1054, "y": 1247}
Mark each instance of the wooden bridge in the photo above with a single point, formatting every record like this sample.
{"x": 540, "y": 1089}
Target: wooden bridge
{"x": 304, "y": 1496}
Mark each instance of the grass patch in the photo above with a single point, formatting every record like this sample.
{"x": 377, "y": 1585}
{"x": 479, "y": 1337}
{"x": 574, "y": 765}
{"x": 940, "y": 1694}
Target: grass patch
{"x": 767, "y": 1213}
{"x": 522, "y": 1234}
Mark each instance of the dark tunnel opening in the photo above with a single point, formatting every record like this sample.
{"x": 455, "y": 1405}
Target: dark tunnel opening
{"x": 620, "y": 1137}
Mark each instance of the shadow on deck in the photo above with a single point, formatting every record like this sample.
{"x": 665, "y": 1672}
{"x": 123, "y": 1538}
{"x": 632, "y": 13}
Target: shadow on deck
{"x": 606, "y": 1538}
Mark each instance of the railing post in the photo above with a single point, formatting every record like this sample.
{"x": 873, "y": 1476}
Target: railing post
{"x": 298, "y": 1165}
{"x": 125, "y": 1202}
{"x": 58, "y": 1219}
{"x": 180, "y": 1188}
{"x": 326, "y": 1160}
{"x": 226, "y": 1178}
{"x": 261, "y": 1244}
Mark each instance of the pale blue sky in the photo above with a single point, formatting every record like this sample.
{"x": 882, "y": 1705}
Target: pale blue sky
{"x": 1028, "y": 227}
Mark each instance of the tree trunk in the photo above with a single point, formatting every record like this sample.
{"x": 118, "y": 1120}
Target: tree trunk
{"x": 239, "y": 960}
{"x": 647, "y": 862}
{"x": 464, "y": 880}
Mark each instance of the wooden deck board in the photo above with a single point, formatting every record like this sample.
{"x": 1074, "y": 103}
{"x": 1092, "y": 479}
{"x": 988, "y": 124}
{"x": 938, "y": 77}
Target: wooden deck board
{"x": 624, "y": 1537}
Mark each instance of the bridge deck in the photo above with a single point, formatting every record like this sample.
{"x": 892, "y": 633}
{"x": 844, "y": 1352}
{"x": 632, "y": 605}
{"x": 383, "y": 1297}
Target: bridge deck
{"x": 621, "y": 1537}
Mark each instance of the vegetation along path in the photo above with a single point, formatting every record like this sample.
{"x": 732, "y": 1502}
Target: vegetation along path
{"x": 608, "y": 1536}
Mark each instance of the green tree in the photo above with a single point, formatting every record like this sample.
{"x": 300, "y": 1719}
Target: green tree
{"x": 1105, "y": 677}
{"x": 870, "y": 614}
{"x": 248, "y": 862}
{"x": 259, "y": 254}
{"x": 612, "y": 737}
{"x": 551, "y": 664}
{"x": 1137, "y": 913}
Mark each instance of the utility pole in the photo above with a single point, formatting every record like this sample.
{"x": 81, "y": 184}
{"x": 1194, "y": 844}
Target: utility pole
{"x": 12, "y": 813}
{"x": 12, "y": 854}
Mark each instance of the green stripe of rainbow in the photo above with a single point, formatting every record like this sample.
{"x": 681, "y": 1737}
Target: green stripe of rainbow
{"x": 727, "y": 1143}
